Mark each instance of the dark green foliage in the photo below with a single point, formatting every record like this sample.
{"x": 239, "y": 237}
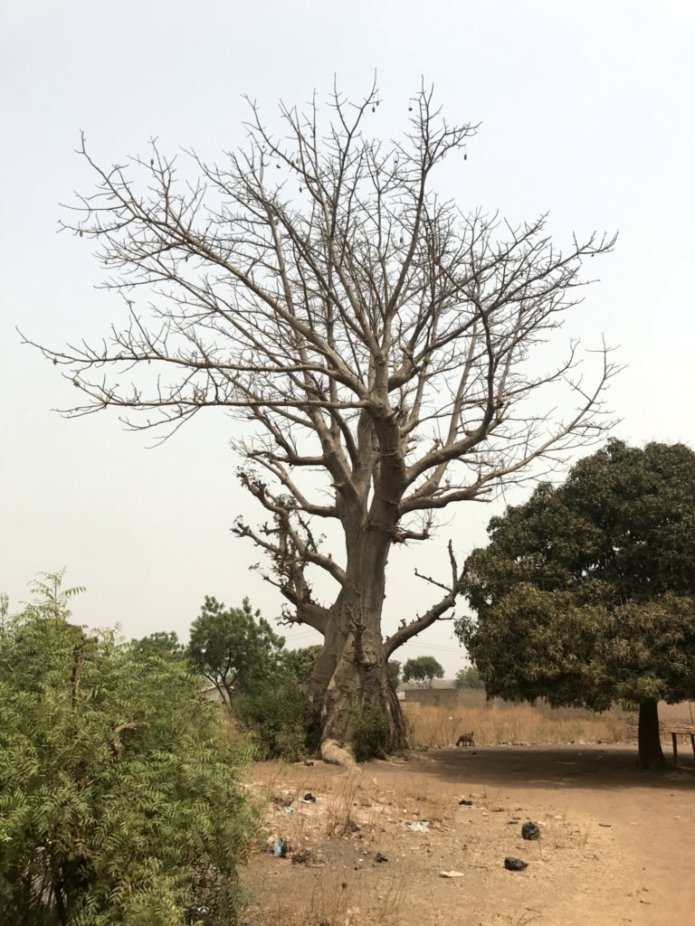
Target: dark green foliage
{"x": 277, "y": 714}
{"x": 393, "y": 667}
{"x": 468, "y": 678}
{"x": 586, "y": 593}
{"x": 301, "y": 662}
{"x": 422, "y": 670}
{"x": 119, "y": 799}
{"x": 370, "y": 733}
{"x": 235, "y": 648}
{"x": 262, "y": 683}
{"x": 161, "y": 645}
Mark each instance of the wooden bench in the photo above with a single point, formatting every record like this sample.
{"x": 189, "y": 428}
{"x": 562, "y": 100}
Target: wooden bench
{"x": 681, "y": 730}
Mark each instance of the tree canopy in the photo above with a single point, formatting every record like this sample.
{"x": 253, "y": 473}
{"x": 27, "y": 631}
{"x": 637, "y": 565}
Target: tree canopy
{"x": 586, "y": 593}
{"x": 375, "y": 337}
{"x": 234, "y": 648}
{"x": 119, "y": 797}
{"x": 422, "y": 669}
{"x": 468, "y": 678}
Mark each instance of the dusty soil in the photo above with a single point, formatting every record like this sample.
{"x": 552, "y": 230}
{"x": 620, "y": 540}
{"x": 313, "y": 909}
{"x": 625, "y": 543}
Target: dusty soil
{"x": 617, "y": 845}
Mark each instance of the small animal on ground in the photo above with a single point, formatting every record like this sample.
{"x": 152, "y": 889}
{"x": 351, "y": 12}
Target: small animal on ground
{"x": 466, "y": 739}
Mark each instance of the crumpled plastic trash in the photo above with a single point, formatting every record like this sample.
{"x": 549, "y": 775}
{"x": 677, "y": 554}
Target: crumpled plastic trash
{"x": 514, "y": 864}
{"x": 418, "y": 826}
{"x": 530, "y": 831}
{"x": 280, "y": 848}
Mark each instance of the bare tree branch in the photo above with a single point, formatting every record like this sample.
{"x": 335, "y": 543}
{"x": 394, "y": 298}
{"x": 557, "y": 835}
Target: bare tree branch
{"x": 386, "y": 347}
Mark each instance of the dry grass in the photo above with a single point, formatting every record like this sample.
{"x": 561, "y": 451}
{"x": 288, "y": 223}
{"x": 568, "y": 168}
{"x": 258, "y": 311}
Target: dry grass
{"x": 335, "y": 902}
{"x": 495, "y": 725}
{"x": 341, "y": 805}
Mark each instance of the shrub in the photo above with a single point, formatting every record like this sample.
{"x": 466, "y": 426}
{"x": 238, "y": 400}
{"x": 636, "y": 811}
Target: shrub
{"x": 277, "y": 714}
{"x": 119, "y": 797}
{"x": 371, "y": 732}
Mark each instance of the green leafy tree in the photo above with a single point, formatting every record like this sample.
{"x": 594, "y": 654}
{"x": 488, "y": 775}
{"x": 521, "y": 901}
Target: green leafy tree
{"x": 159, "y": 645}
{"x": 262, "y": 683}
{"x": 393, "y": 667}
{"x": 234, "y": 648}
{"x": 468, "y": 678}
{"x": 586, "y": 593}
{"x": 422, "y": 670}
{"x": 301, "y": 662}
{"x": 119, "y": 798}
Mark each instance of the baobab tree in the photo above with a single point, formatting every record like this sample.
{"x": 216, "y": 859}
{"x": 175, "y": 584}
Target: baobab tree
{"x": 380, "y": 341}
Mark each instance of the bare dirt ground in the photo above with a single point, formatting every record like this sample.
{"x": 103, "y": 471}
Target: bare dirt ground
{"x": 617, "y": 845}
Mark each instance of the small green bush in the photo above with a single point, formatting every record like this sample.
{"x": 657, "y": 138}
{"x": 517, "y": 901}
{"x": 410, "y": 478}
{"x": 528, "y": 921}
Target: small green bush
{"x": 119, "y": 790}
{"x": 277, "y": 715}
{"x": 370, "y": 733}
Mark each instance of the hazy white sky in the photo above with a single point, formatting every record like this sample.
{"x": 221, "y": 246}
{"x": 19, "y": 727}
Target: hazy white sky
{"x": 586, "y": 110}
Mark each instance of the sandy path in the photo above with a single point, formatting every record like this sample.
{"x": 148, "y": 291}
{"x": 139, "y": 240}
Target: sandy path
{"x": 617, "y": 846}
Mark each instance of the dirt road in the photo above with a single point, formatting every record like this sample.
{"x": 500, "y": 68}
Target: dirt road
{"x": 617, "y": 845}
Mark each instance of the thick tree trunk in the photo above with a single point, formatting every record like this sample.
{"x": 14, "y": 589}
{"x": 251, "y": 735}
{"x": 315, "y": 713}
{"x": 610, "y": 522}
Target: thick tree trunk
{"x": 350, "y": 684}
{"x": 649, "y": 749}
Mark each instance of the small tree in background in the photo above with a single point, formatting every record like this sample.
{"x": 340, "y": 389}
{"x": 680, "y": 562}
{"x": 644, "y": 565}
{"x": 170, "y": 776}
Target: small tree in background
{"x": 468, "y": 678}
{"x": 160, "y": 645}
{"x": 261, "y": 683}
{"x": 118, "y": 787}
{"x": 422, "y": 670}
{"x": 301, "y": 662}
{"x": 585, "y": 595}
{"x": 393, "y": 667}
{"x": 234, "y": 648}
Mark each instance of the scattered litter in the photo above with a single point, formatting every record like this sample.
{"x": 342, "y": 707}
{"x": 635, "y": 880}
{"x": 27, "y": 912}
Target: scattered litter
{"x": 464, "y": 802}
{"x": 300, "y": 858}
{"x": 288, "y": 810}
{"x": 514, "y": 864}
{"x": 380, "y": 857}
{"x": 308, "y": 798}
{"x": 530, "y": 831}
{"x": 451, "y": 874}
{"x": 418, "y": 826}
{"x": 280, "y": 848}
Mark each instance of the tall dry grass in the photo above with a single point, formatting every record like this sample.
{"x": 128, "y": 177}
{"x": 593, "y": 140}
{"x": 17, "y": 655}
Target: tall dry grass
{"x": 495, "y": 725}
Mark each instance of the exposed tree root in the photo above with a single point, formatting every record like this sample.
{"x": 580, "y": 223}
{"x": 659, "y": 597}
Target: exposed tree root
{"x": 332, "y": 752}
